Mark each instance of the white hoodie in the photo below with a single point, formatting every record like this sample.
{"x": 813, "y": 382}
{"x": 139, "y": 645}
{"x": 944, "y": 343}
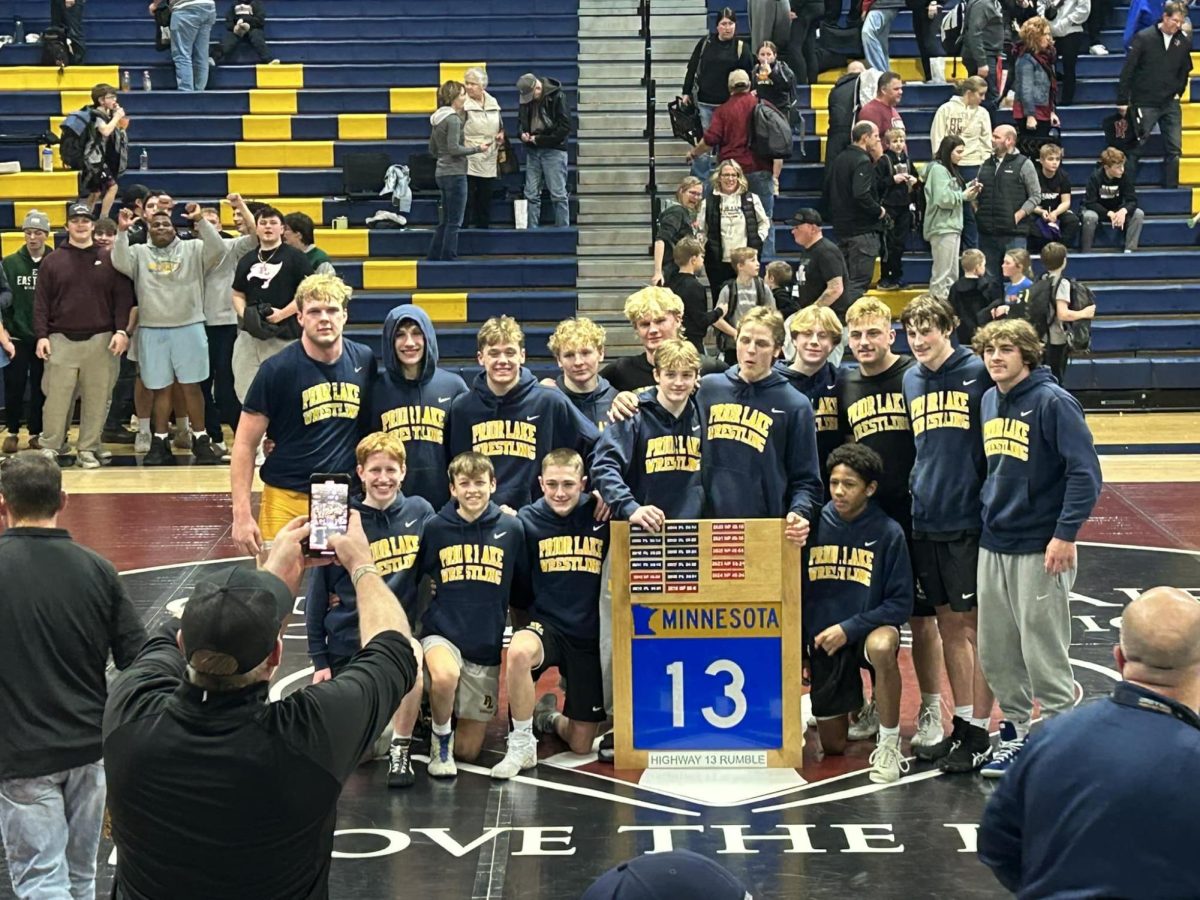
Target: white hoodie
{"x": 974, "y": 126}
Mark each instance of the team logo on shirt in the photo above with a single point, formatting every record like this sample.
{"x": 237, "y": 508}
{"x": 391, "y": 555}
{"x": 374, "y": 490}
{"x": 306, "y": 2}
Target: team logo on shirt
{"x": 505, "y": 437}
{"x": 672, "y": 453}
{"x": 571, "y": 553}
{"x": 395, "y": 553}
{"x": 736, "y": 422}
{"x": 415, "y": 423}
{"x": 472, "y": 562}
{"x": 940, "y": 409}
{"x": 162, "y": 266}
{"x": 833, "y": 562}
{"x": 876, "y": 413}
{"x": 330, "y": 400}
{"x": 825, "y": 412}
{"x": 1006, "y": 437}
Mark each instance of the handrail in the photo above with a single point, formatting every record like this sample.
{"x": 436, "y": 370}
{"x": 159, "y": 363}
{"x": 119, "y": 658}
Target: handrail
{"x": 651, "y": 108}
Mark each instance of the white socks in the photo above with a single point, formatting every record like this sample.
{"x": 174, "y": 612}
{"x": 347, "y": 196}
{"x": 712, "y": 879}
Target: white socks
{"x": 964, "y": 712}
{"x": 443, "y": 729}
{"x": 525, "y": 725}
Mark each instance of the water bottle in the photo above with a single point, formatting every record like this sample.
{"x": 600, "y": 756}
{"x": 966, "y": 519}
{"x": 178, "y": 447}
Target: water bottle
{"x": 47, "y": 159}
{"x": 146, "y": 86}
{"x": 125, "y": 81}
{"x": 18, "y": 31}
{"x": 144, "y": 160}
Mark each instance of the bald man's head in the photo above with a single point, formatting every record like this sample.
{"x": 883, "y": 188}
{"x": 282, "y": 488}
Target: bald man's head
{"x": 855, "y": 68}
{"x": 1160, "y": 637}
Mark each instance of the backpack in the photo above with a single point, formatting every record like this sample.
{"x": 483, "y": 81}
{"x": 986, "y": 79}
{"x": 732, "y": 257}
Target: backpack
{"x": 56, "y": 48}
{"x": 770, "y": 132}
{"x": 1079, "y": 332}
{"x": 73, "y": 138}
{"x": 950, "y": 31}
{"x": 1042, "y": 307}
{"x": 728, "y": 292}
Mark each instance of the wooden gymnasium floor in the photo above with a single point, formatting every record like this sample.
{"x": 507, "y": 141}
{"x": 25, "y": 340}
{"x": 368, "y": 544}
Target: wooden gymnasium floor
{"x": 821, "y": 831}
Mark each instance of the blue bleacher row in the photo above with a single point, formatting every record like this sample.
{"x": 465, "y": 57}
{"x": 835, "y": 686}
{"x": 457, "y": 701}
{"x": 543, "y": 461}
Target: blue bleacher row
{"x": 101, "y": 10}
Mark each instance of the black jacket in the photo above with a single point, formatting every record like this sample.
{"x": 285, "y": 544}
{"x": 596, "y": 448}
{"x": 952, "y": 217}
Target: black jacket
{"x": 1009, "y": 184}
{"x": 62, "y": 610}
{"x": 843, "y": 103}
{"x": 707, "y": 79}
{"x": 1104, "y": 195}
{"x": 551, "y": 112}
{"x": 256, "y": 18}
{"x": 1153, "y": 75}
{"x": 852, "y": 194}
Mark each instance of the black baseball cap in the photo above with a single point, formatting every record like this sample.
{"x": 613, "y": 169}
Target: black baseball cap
{"x": 668, "y": 876}
{"x": 807, "y": 216}
{"x": 78, "y": 210}
{"x": 238, "y": 615}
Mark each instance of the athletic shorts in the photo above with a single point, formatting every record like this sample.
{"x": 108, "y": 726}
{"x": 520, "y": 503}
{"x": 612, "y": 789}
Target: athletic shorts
{"x": 478, "y": 686}
{"x": 946, "y": 571}
{"x": 837, "y": 686}
{"x": 900, "y": 511}
{"x": 277, "y": 507}
{"x": 166, "y": 355}
{"x": 578, "y": 663}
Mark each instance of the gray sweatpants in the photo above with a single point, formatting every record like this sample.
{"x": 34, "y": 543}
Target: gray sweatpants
{"x": 1025, "y": 633}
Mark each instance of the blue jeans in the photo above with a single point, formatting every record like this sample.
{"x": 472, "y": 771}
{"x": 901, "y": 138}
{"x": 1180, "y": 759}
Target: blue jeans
{"x": 545, "y": 166}
{"x": 877, "y": 28}
{"x": 702, "y": 166}
{"x": 762, "y": 185}
{"x": 970, "y": 230}
{"x": 994, "y": 246}
{"x": 451, "y": 208}
{"x": 191, "y": 28}
{"x": 51, "y": 828}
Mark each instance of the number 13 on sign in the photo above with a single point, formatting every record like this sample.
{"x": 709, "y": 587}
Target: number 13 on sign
{"x": 733, "y": 690}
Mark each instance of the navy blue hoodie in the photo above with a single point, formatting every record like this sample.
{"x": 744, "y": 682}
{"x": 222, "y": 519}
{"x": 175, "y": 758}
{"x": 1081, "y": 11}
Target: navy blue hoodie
{"x": 652, "y": 458}
{"x": 565, "y": 556}
{"x": 595, "y": 404}
{"x": 516, "y": 431}
{"x": 395, "y": 537}
{"x": 949, "y": 469}
{"x": 760, "y": 448}
{"x": 416, "y": 410}
{"x": 1043, "y": 474}
{"x": 473, "y": 566}
{"x": 856, "y": 574}
{"x": 822, "y": 392}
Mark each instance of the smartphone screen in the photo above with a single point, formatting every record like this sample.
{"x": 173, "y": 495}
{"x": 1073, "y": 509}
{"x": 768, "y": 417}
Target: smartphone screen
{"x": 328, "y": 510}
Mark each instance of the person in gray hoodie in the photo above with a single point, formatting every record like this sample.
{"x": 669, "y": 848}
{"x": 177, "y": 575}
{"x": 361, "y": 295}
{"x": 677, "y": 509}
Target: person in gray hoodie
{"x": 168, "y": 280}
{"x": 983, "y": 46}
{"x": 446, "y": 143}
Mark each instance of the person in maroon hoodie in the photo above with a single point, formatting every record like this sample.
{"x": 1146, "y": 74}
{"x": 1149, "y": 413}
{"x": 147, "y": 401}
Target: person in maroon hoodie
{"x": 80, "y": 320}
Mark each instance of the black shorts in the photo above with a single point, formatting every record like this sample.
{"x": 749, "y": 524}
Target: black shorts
{"x": 578, "y": 662}
{"x": 946, "y": 571}
{"x": 837, "y": 686}
{"x": 900, "y": 511}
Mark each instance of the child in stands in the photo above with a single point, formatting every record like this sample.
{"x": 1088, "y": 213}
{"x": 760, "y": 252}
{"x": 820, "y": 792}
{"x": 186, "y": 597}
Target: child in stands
{"x": 972, "y": 294}
{"x": 1111, "y": 199}
{"x": 746, "y": 291}
{"x": 245, "y": 21}
{"x": 1017, "y": 267}
{"x": 779, "y": 282}
{"x": 896, "y": 184}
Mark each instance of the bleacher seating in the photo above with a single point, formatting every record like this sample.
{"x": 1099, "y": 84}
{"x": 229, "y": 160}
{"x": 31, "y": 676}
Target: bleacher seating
{"x": 280, "y": 133}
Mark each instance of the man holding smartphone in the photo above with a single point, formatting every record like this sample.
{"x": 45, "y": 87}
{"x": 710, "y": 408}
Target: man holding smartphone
{"x": 308, "y": 399}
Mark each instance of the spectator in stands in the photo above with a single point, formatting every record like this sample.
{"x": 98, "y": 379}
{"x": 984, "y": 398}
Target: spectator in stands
{"x": 697, "y": 317}
{"x": 821, "y": 276}
{"x": 105, "y": 151}
{"x": 264, "y": 288}
{"x": 1067, "y": 19}
{"x": 972, "y": 294}
{"x": 1050, "y": 321}
{"x": 884, "y": 110}
{"x": 729, "y": 133}
{"x": 298, "y": 233}
{"x": 1111, "y": 199}
{"x": 1097, "y": 21}
{"x": 801, "y": 46}
{"x": 484, "y": 125}
{"x": 81, "y": 321}
{"x": 245, "y": 21}
{"x": 168, "y": 279}
{"x": 843, "y": 101}
{"x": 745, "y": 292}
{"x": 778, "y": 279}
{"x": 68, "y": 15}
{"x": 715, "y": 57}
{"x": 1017, "y": 269}
{"x": 852, "y": 196}
{"x": 682, "y": 219}
{"x": 897, "y": 183}
{"x": 545, "y": 126}
{"x": 946, "y": 194}
{"x": 926, "y": 16}
{"x": 105, "y": 233}
{"x": 191, "y": 28}
{"x": 733, "y": 217}
{"x": 1154, "y": 77}
{"x": 65, "y": 610}
{"x": 446, "y": 143}
{"x": 965, "y": 115}
{"x": 1010, "y": 192}
{"x": 1055, "y": 221}
{"x": 137, "y": 197}
{"x": 983, "y": 46}
{"x": 1035, "y": 85}
{"x": 25, "y": 368}
{"x": 876, "y": 31}
{"x": 775, "y": 83}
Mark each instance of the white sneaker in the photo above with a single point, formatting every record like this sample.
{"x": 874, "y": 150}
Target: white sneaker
{"x": 929, "y": 727}
{"x": 866, "y": 726}
{"x": 521, "y": 756}
{"x": 1098, "y": 50}
{"x": 141, "y": 443}
{"x": 105, "y": 456}
{"x": 87, "y": 460}
{"x": 441, "y": 756}
{"x": 887, "y": 762}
